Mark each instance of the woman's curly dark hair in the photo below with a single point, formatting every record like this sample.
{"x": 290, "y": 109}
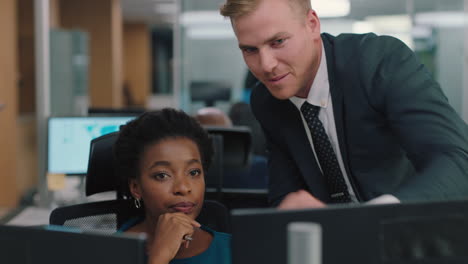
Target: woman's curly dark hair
{"x": 150, "y": 128}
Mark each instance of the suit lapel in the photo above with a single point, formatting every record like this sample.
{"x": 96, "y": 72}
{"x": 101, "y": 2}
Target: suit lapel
{"x": 338, "y": 102}
{"x": 301, "y": 151}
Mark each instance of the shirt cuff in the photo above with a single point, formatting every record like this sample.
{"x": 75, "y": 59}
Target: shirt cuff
{"x": 384, "y": 199}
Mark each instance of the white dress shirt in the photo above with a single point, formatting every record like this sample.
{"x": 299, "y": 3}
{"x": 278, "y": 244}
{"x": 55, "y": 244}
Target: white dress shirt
{"x": 319, "y": 95}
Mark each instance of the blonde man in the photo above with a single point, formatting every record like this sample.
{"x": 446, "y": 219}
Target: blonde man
{"x": 352, "y": 118}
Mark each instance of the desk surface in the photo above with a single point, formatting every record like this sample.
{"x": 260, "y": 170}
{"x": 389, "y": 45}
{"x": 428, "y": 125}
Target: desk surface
{"x": 26, "y": 216}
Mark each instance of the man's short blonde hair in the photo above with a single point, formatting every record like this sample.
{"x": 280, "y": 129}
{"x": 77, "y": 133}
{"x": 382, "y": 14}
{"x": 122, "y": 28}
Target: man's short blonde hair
{"x": 237, "y": 8}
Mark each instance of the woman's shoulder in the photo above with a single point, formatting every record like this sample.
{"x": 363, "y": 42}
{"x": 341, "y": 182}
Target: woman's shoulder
{"x": 223, "y": 236}
{"x": 220, "y": 248}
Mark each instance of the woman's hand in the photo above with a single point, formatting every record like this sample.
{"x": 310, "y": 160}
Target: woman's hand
{"x": 168, "y": 237}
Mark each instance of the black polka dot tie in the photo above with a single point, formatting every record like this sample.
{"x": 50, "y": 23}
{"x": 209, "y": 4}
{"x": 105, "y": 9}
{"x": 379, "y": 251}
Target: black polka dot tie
{"x": 326, "y": 156}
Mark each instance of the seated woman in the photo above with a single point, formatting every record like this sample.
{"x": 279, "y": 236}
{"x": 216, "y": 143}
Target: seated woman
{"x": 163, "y": 155}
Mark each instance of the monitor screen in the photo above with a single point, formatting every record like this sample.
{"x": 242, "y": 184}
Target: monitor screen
{"x": 69, "y": 140}
{"x": 407, "y": 233}
{"x": 28, "y": 245}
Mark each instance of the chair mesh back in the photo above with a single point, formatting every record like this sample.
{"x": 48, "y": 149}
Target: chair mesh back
{"x": 107, "y": 216}
{"x": 106, "y": 223}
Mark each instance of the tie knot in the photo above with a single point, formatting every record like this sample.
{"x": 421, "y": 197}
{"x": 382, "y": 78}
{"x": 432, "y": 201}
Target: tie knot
{"x": 309, "y": 111}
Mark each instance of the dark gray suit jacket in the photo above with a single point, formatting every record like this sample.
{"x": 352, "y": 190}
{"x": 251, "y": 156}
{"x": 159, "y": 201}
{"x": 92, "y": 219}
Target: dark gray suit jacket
{"x": 396, "y": 130}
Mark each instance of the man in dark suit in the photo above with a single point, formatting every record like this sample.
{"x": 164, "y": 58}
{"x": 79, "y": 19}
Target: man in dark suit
{"x": 353, "y": 118}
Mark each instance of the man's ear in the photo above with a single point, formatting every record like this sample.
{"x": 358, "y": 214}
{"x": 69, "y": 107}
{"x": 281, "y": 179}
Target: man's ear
{"x": 135, "y": 189}
{"x": 313, "y": 21}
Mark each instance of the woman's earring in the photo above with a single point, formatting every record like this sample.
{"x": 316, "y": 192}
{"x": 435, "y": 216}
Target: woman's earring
{"x": 137, "y": 203}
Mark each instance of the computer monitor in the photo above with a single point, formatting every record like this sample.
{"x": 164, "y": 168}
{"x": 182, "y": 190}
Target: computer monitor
{"x": 368, "y": 234}
{"x": 28, "y": 245}
{"x": 69, "y": 140}
{"x": 106, "y": 111}
{"x": 210, "y": 91}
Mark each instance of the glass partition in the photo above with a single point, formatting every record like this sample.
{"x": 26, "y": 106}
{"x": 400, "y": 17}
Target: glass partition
{"x": 211, "y": 69}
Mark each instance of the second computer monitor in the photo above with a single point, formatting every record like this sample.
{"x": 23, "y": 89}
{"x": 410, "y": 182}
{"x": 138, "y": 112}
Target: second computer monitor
{"x": 409, "y": 233}
{"x": 69, "y": 140}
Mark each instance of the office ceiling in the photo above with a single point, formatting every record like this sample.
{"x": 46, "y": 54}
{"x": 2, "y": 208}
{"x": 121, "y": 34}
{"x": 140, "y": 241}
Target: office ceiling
{"x": 163, "y": 11}
{"x": 363, "y": 8}
{"x": 149, "y": 11}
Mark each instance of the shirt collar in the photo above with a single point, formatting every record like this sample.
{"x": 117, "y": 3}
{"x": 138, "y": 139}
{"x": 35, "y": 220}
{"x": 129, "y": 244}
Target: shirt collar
{"x": 320, "y": 89}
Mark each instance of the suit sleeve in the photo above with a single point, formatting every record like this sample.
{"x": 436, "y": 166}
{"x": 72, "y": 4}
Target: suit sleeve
{"x": 432, "y": 134}
{"x": 283, "y": 174}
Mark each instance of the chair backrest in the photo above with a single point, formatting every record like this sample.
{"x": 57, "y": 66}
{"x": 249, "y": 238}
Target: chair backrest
{"x": 241, "y": 115}
{"x": 233, "y": 147}
{"x": 101, "y": 176}
{"x": 237, "y": 145}
{"x": 234, "y": 158}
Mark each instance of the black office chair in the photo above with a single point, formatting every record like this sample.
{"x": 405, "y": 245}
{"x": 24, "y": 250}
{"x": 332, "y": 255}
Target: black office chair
{"x": 101, "y": 176}
{"x": 108, "y": 216}
{"x": 233, "y": 156}
{"x": 232, "y": 151}
{"x": 241, "y": 115}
